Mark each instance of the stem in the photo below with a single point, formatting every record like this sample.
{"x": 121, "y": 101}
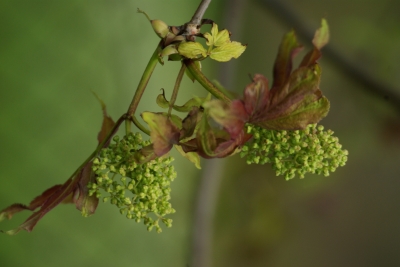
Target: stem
{"x": 127, "y": 126}
{"x": 139, "y": 125}
{"x": 198, "y": 15}
{"x": 176, "y": 87}
{"x": 143, "y": 81}
{"x": 205, "y": 82}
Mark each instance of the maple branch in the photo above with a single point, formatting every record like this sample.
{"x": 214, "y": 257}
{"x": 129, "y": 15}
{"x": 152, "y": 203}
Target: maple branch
{"x": 198, "y": 15}
{"x": 374, "y": 86}
{"x": 143, "y": 81}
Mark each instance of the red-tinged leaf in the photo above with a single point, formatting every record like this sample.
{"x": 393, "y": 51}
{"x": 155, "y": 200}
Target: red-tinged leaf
{"x": 214, "y": 143}
{"x": 108, "y": 122}
{"x": 83, "y": 202}
{"x": 256, "y": 96}
{"x": 295, "y": 99}
{"x": 190, "y": 123}
{"x": 35, "y": 203}
{"x": 206, "y": 140}
{"x": 231, "y": 116}
{"x": 55, "y": 196}
{"x": 297, "y": 104}
{"x": 39, "y": 200}
{"x": 231, "y": 146}
{"x": 74, "y": 190}
{"x": 164, "y": 133}
{"x": 11, "y": 210}
{"x": 190, "y": 145}
{"x": 145, "y": 154}
{"x": 283, "y": 63}
{"x": 321, "y": 38}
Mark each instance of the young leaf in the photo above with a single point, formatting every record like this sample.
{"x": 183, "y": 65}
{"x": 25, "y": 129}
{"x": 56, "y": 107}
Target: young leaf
{"x": 230, "y": 116}
{"x": 191, "y": 156}
{"x": 192, "y": 50}
{"x": 83, "y": 201}
{"x": 283, "y": 62}
{"x": 293, "y": 106}
{"x": 295, "y": 99}
{"x": 209, "y": 142}
{"x": 256, "y": 96}
{"x": 164, "y": 133}
{"x": 190, "y": 123}
{"x": 48, "y": 200}
{"x": 321, "y": 38}
{"x": 74, "y": 190}
{"x": 107, "y": 124}
{"x": 227, "y": 51}
{"x": 217, "y": 38}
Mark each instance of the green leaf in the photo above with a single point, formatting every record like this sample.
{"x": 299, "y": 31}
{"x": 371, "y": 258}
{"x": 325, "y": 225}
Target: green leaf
{"x": 227, "y": 51}
{"x": 192, "y": 50}
{"x": 217, "y": 38}
{"x": 222, "y": 38}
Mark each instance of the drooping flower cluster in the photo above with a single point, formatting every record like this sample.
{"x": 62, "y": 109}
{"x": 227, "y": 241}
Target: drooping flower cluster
{"x": 312, "y": 150}
{"x": 137, "y": 189}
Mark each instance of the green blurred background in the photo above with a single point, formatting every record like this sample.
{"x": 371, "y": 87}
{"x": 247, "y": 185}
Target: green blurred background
{"x": 53, "y": 53}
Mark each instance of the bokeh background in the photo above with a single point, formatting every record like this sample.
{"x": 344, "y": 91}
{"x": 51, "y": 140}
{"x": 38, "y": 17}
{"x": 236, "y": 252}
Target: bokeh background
{"x": 54, "y": 53}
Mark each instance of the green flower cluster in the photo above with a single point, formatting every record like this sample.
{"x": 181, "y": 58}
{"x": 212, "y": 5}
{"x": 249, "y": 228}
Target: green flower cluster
{"x": 137, "y": 189}
{"x": 311, "y": 150}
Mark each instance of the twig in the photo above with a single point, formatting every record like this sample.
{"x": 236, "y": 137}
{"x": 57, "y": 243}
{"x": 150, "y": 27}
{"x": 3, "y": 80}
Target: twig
{"x": 374, "y": 86}
{"x": 198, "y": 15}
{"x": 143, "y": 81}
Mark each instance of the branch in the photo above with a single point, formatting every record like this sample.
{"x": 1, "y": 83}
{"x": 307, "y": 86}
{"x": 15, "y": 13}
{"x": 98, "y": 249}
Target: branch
{"x": 143, "y": 81}
{"x": 198, "y": 15}
{"x": 372, "y": 85}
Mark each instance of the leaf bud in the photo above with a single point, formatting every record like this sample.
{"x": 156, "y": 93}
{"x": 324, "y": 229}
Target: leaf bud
{"x": 160, "y": 27}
